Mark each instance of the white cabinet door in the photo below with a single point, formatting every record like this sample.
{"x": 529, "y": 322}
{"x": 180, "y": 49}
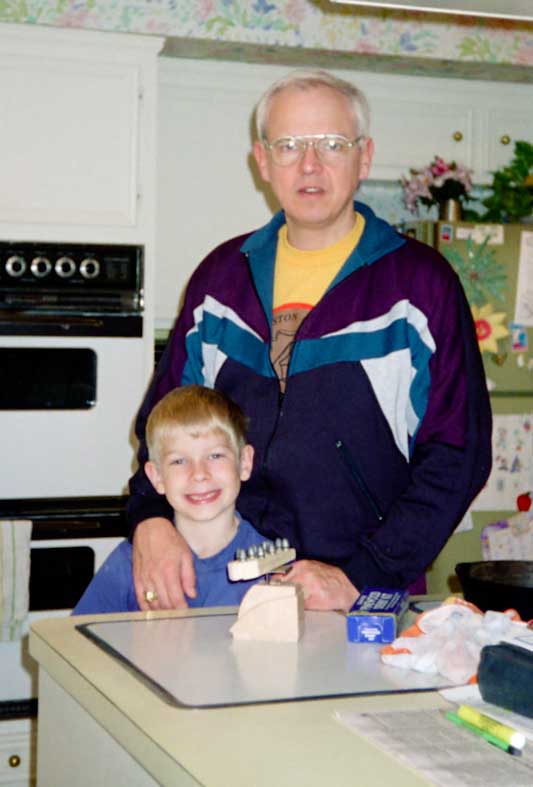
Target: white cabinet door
{"x": 70, "y": 129}
{"x": 18, "y": 760}
{"x": 68, "y": 133}
{"x": 504, "y": 127}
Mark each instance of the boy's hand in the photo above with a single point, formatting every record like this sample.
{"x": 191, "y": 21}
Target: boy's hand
{"x": 325, "y": 587}
{"x": 162, "y": 565}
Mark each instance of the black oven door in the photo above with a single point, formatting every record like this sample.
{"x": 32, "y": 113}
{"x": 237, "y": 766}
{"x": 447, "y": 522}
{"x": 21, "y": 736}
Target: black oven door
{"x": 71, "y": 538}
{"x": 47, "y": 378}
{"x": 59, "y": 575}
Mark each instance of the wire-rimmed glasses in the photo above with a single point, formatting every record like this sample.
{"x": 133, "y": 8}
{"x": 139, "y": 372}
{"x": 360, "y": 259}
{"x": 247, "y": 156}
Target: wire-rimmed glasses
{"x": 330, "y": 148}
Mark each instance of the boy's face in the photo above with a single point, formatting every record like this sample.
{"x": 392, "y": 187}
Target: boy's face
{"x": 200, "y": 475}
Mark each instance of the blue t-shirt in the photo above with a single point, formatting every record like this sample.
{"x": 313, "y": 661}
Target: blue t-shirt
{"x": 112, "y": 590}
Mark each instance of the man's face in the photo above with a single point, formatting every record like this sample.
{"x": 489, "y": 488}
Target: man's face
{"x": 317, "y": 198}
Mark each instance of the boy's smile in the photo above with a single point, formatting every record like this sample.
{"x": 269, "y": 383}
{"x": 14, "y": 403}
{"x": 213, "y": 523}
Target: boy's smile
{"x": 206, "y": 497}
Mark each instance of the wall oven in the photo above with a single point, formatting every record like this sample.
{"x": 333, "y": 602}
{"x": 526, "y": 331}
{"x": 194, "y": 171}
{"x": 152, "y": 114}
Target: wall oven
{"x": 74, "y": 364}
{"x": 75, "y": 358}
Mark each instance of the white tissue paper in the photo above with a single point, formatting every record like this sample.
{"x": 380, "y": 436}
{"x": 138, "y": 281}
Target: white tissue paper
{"x": 448, "y": 640}
{"x": 15, "y": 538}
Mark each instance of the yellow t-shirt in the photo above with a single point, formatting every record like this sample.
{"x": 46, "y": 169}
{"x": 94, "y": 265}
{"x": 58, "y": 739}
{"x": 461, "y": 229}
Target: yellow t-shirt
{"x": 301, "y": 279}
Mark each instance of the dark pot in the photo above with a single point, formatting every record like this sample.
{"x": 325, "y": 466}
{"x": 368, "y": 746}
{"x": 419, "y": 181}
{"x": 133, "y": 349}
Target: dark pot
{"x": 499, "y": 585}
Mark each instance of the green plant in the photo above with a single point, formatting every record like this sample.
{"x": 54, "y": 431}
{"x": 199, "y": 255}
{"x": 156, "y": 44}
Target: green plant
{"x": 511, "y": 199}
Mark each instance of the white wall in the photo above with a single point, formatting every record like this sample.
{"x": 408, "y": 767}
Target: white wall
{"x": 204, "y": 146}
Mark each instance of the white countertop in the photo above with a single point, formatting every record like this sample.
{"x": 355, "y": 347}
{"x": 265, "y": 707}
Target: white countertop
{"x": 297, "y": 743}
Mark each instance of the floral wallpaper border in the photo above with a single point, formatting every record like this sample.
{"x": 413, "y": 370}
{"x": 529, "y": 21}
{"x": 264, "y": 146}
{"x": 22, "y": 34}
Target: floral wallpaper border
{"x": 295, "y": 25}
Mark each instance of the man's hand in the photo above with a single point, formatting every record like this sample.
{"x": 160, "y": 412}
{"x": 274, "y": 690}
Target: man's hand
{"x": 163, "y": 564}
{"x": 324, "y": 586}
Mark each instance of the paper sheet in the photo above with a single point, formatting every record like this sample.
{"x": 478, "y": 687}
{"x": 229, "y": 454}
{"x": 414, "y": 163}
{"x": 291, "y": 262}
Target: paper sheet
{"x": 524, "y": 290}
{"x": 509, "y": 539}
{"x": 512, "y": 465}
{"x": 446, "y": 755}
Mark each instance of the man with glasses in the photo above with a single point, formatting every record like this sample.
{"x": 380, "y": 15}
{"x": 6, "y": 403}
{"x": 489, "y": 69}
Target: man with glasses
{"x": 352, "y": 351}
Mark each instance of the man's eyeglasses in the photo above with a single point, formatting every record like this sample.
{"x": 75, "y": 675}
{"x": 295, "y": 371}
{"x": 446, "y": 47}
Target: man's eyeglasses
{"x": 330, "y": 148}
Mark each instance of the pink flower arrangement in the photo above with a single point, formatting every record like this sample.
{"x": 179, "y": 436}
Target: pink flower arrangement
{"x": 436, "y": 184}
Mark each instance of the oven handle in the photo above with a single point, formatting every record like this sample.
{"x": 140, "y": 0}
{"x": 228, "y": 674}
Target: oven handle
{"x": 21, "y": 323}
{"x": 31, "y": 321}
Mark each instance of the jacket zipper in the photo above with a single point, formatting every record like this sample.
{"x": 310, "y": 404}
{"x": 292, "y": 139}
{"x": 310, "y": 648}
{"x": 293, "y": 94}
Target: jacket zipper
{"x": 263, "y": 469}
{"x": 359, "y": 478}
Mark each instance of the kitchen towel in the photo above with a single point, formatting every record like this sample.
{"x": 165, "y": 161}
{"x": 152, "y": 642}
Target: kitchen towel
{"x": 15, "y": 537}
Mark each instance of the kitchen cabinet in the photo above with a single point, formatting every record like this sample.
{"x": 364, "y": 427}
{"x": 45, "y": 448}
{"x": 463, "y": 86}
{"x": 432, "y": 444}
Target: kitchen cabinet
{"x": 18, "y": 753}
{"x": 77, "y": 132}
{"x": 207, "y": 185}
{"x": 472, "y": 122}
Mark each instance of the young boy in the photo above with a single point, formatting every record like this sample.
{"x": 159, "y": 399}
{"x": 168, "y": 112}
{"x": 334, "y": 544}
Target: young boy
{"x": 198, "y": 457}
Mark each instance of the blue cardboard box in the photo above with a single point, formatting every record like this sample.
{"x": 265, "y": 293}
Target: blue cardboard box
{"x": 376, "y": 615}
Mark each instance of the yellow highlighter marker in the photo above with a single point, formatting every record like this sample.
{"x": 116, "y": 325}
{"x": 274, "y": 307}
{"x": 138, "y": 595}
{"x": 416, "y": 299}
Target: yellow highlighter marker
{"x": 482, "y": 734}
{"x": 512, "y": 737}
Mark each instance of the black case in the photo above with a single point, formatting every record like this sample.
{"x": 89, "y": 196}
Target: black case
{"x": 505, "y": 677}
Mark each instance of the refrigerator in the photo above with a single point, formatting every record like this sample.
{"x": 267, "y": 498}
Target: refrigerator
{"x": 495, "y": 265}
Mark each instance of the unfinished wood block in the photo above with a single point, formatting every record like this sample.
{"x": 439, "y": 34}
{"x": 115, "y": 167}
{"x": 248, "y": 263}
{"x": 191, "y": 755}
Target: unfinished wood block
{"x": 260, "y": 560}
{"x": 272, "y": 612}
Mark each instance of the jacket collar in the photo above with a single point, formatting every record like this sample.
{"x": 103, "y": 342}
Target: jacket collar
{"x": 379, "y": 238}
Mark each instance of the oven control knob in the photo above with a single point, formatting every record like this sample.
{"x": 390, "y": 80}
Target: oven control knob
{"x": 15, "y": 266}
{"x": 89, "y": 268}
{"x": 65, "y": 267}
{"x": 40, "y": 267}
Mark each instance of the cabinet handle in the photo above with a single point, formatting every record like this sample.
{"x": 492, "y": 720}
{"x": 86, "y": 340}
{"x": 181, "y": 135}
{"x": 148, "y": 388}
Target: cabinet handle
{"x": 505, "y": 139}
{"x": 458, "y": 135}
{"x": 14, "y": 761}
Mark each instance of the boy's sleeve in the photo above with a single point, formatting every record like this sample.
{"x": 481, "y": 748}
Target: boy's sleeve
{"x": 450, "y": 463}
{"x": 111, "y": 588}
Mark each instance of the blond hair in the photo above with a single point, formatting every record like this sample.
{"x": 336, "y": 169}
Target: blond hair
{"x": 197, "y": 410}
{"x": 308, "y": 80}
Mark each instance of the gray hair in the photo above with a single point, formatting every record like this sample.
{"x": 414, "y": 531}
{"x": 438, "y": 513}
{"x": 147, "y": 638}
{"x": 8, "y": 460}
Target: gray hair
{"x": 307, "y": 80}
